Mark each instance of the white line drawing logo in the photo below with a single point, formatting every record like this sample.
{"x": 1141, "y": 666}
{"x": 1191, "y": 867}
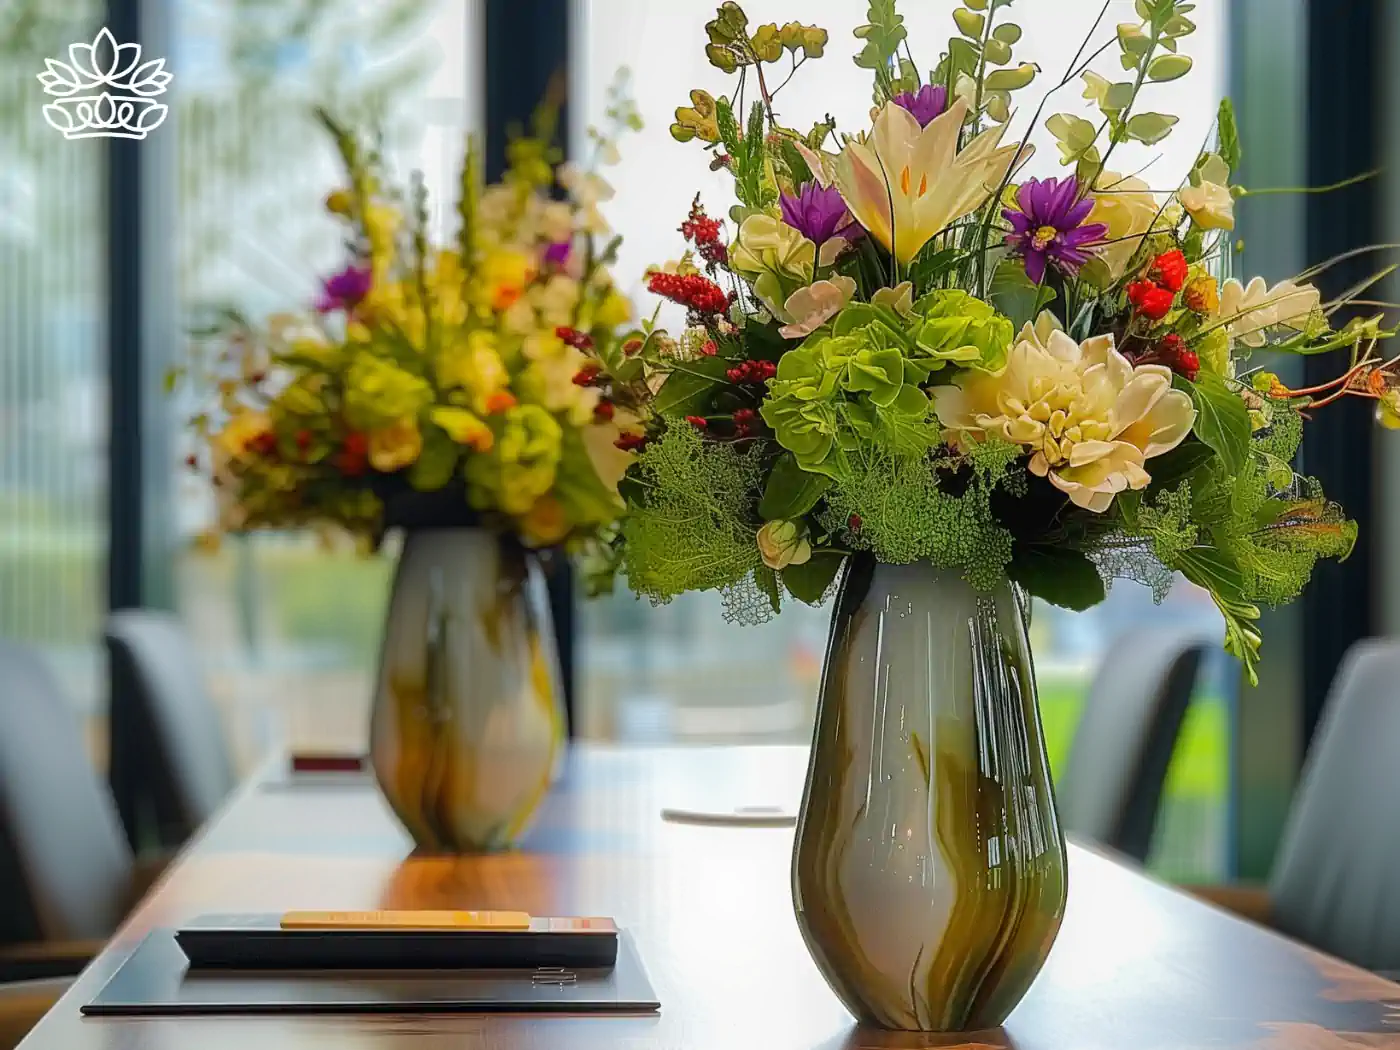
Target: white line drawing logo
{"x": 106, "y": 92}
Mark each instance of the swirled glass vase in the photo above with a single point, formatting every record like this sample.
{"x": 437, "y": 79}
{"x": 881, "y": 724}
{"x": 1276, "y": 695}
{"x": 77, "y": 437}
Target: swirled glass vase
{"x": 468, "y": 723}
{"x": 929, "y": 866}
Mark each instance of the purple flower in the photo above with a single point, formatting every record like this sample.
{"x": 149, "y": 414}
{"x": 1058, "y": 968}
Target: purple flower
{"x": 819, "y": 214}
{"x": 929, "y": 102}
{"x": 1049, "y": 226}
{"x": 557, "y": 254}
{"x": 344, "y": 290}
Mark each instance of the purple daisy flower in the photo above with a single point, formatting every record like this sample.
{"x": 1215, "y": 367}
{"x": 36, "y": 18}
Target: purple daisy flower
{"x": 557, "y": 254}
{"x": 1049, "y": 226}
{"x": 819, "y": 214}
{"x": 344, "y": 290}
{"x": 929, "y": 102}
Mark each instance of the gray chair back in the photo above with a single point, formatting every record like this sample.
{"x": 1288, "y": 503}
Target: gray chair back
{"x": 1336, "y": 880}
{"x": 1112, "y": 785}
{"x": 162, "y": 707}
{"x": 65, "y": 870}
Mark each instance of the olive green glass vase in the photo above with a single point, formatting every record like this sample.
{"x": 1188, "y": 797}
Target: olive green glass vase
{"x": 468, "y": 725}
{"x": 929, "y": 866}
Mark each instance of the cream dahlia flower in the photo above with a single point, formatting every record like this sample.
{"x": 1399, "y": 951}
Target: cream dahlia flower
{"x": 1090, "y": 420}
{"x": 1127, "y": 206}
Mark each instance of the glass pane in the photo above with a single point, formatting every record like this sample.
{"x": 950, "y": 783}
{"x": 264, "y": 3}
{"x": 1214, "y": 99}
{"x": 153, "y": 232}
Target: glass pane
{"x": 679, "y": 672}
{"x": 53, "y": 384}
{"x": 289, "y": 632}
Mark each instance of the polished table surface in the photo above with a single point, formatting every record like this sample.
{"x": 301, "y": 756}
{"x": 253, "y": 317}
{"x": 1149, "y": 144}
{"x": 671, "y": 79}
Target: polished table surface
{"x": 1137, "y": 965}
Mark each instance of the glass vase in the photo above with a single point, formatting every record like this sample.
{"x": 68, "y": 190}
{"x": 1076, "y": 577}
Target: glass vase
{"x": 929, "y": 865}
{"x": 468, "y": 722}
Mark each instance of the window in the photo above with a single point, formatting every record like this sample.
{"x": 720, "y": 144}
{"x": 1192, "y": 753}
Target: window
{"x": 679, "y": 672}
{"x": 289, "y": 632}
{"x": 53, "y": 386}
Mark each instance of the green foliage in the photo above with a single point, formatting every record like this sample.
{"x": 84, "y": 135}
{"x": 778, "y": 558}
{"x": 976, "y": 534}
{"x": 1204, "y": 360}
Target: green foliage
{"x": 1222, "y": 419}
{"x": 791, "y": 491}
{"x": 810, "y": 581}
{"x": 1229, "y": 135}
{"x": 693, "y": 529}
{"x": 1058, "y": 575}
{"x": 905, "y": 515}
{"x": 883, "y": 34}
{"x": 955, "y": 327}
{"x": 689, "y": 386}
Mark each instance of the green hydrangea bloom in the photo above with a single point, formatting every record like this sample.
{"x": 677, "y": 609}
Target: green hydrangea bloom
{"x": 521, "y": 465}
{"x": 378, "y": 394}
{"x": 953, "y": 327}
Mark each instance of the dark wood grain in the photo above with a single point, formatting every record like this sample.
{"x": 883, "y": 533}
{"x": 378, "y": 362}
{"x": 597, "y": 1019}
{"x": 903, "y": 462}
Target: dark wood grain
{"x": 1138, "y": 966}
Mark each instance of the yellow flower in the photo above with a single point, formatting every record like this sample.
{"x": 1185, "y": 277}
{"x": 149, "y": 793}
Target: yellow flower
{"x": 905, "y": 184}
{"x": 587, "y": 190}
{"x": 614, "y": 311}
{"x": 339, "y": 202}
{"x": 784, "y": 543}
{"x": 545, "y": 523}
{"x": 243, "y": 430}
{"x": 776, "y": 257}
{"x": 1211, "y": 205}
{"x": 1388, "y": 410}
{"x": 474, "y": 364}
{"x": 1202, "y": 295}
{"x": 1125, "y": 205}
{"x": 381, "y": 226}
{"x": 555, "y": 300}
{"x": 396, "y": 446}
{"x": 464, "y": 428}
{"x": 1251, "y": 311}
{"x": 1090, "y": 420}
{"x": 503, "y": 276}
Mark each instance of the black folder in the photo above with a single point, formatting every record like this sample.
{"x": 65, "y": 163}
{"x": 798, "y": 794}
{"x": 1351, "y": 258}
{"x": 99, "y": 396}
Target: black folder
{"x": 157, "y": 980}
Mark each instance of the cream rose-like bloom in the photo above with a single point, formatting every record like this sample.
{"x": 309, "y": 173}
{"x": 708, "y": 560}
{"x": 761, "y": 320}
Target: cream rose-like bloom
{"x": 1250, "y": 311}
{"x": 1090, "y": 420}
{"x": 1127, "y": 206}
{"x": 1211, "y": 205}
{"x": 813, "y": 306}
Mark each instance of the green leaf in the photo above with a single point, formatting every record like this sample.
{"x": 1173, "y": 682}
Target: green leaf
{"x": 1151, "y": 128}
{"x": 1222, "y": 420}
{"x": 1015, "y": 296}
{"x": 1172, "y": 468}
{"x": 970, "y": 24}
{"x": 1166, "y": 68}
{"x": 767, "y": 581}
{"x": 930, "y": 264}
{"x": 436, "y": 463}
{"x": 1007, "y": 33}
{"x": 688, "y": 388}
{"x": 1059, "y": 576}
{"x": 809, "y": 582}
{"x": 791, "y": 491}
{"x": 1229, "y": 134}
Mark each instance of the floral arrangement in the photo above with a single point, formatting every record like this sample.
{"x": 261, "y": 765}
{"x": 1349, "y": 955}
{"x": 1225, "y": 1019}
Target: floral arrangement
{"x": 430, "y": 369}
{"x": 899, "y": 346}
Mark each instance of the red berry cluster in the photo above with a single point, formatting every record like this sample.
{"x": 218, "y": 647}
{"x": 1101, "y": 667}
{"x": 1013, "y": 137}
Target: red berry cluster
{"x": 1170, "y": 270}
{"x": 709, "y": 349}
{"x": 589, "y": 375}
{"x": 631, "y": 442}
{"x": 752, "y": 372}
{"x": 573, "y": 337}
{"x": 603, "y": 411}
{"x": 264, "y": 444}
{"x": 698, "y": 422}
{"x": 744, "y": 419}
{"x": 704, "y": 232}
{"x": 1171, "y": 350}
{"x": 700, "y": 294}
{"x": 353, "y": 458}
{"x": 1154, "y": 294}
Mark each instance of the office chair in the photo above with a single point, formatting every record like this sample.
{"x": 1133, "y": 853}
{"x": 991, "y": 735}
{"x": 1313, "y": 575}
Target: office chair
{"x": 169, "y": 746}
{"x": 1112, "y": 785}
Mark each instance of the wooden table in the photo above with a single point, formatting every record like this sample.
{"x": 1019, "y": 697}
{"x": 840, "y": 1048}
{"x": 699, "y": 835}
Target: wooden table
{"x": 1138, "y": 966}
